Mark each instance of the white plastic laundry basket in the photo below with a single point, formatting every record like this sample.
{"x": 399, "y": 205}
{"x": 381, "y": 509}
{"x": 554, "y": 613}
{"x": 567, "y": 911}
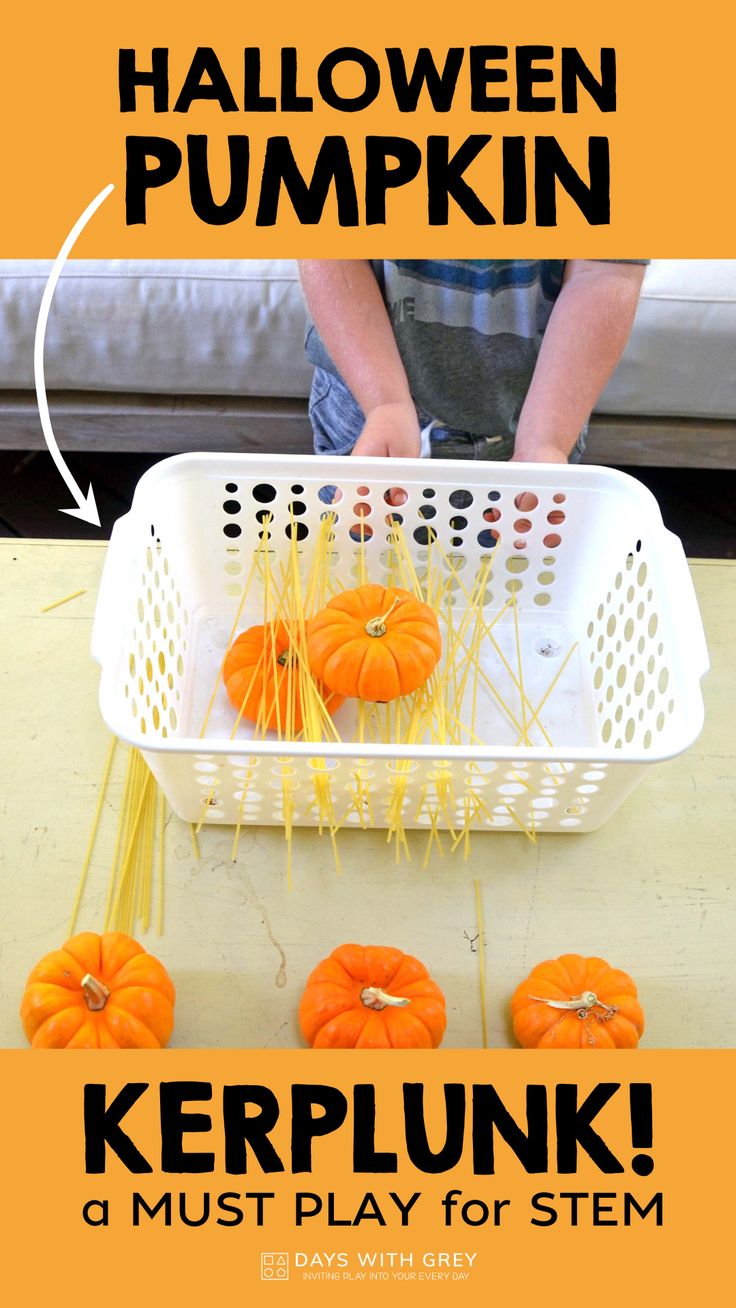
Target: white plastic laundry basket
{"x": 590, "y": 562}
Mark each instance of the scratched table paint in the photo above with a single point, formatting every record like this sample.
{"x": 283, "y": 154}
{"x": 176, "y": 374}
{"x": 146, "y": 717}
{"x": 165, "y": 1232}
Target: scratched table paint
{"x": 653, "y": 891}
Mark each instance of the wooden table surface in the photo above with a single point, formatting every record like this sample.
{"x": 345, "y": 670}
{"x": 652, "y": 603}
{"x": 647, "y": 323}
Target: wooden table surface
{"x": 653, "y": 891}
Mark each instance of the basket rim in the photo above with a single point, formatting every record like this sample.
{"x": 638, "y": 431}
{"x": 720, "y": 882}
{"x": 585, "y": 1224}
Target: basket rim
{"x": 282, "y": 466}
{"x": 192, "y": 746}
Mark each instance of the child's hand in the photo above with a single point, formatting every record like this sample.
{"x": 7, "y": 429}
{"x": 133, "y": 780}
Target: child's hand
{"x": 390, "y": 431}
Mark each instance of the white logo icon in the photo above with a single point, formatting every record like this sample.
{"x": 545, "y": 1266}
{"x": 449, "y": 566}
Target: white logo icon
{"x": 274, "y": 1266}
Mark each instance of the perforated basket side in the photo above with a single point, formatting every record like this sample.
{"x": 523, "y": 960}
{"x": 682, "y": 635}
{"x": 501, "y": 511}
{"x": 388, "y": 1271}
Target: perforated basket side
{"x": 510, "y": 795}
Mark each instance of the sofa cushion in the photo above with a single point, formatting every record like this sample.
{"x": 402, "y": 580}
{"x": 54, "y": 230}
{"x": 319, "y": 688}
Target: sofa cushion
{"x": 188, "y": 327}
{"x": 680, "y": 358}
{"x": 237, "y": 328}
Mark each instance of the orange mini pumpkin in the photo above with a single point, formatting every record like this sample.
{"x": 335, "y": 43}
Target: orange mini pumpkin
{"x": 98, "y": 992}
{"x": 577, "y": 1003}
{"x": 374, "y": 642}
{"x": 372, "y": 997}
{"x": 257, "y": 679}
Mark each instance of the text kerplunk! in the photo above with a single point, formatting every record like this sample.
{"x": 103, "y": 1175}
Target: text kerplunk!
{"x": 254, "y": 1123}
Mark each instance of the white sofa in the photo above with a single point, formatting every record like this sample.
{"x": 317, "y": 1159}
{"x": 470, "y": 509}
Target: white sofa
{"x": 167, "y": 356}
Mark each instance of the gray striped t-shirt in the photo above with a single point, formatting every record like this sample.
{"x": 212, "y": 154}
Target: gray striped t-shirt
{"x": 468, "y": 332}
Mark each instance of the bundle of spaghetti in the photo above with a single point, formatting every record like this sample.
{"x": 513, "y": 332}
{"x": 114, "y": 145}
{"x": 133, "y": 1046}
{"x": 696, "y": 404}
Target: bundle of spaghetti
{"x": 130, "y": 891}
{"x": 138, "y": 860}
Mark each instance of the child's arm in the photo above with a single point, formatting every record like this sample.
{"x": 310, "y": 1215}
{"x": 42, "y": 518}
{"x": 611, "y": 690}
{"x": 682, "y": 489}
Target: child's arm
{"x": 585, "y": 338}
{"x": 345, "y": 302}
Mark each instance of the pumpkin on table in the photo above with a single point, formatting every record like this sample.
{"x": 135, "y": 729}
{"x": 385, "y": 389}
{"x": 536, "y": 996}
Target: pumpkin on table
{"x": 374, "y": 643}
{"x": 261, "y": 677}
{"x": 98, "y": 992}
{"x": 372, "y": 997}
{"x": 577, "y": 1003}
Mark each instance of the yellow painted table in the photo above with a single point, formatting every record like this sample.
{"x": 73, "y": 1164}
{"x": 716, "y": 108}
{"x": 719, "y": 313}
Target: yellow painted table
{"x": 653, "y": 891}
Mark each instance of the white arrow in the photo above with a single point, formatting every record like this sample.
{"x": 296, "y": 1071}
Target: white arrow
{"x": 86, "y": 507}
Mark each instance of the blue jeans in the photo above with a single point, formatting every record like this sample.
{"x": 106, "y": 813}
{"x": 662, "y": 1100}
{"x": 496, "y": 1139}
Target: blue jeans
{"x": 337, "y": 421}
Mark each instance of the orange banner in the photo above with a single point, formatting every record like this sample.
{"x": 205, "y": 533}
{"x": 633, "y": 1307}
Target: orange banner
{"x": 191, "y": 1173}
{"x": 297, "y": 131}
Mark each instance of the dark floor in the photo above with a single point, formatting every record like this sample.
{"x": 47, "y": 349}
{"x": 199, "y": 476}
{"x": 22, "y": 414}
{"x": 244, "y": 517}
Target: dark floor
{"x": 698, "y": 505}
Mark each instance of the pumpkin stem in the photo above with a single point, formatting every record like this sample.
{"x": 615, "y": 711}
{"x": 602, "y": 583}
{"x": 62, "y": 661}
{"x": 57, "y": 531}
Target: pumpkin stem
{"x": 581, "y": 1004}
{"x": 95, "y": 993}
{"x": 285, "y": 658}
{"x": 375, "y": 997}
{"x": 377, "y": 626}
